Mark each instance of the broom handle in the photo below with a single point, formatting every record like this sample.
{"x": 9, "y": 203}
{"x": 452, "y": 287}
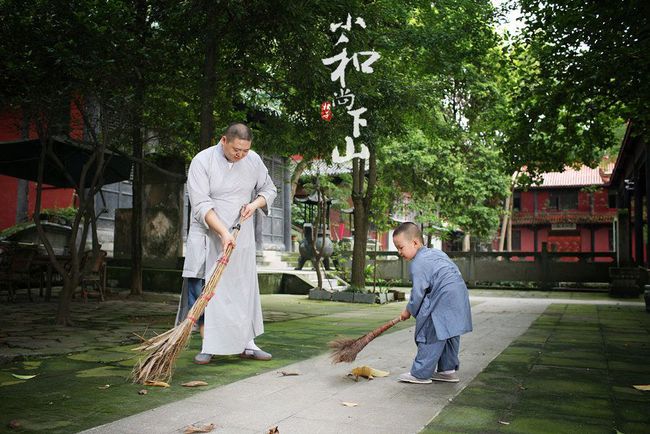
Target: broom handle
{"x": 379, "y": 330}
{"x": 208, "y": 289}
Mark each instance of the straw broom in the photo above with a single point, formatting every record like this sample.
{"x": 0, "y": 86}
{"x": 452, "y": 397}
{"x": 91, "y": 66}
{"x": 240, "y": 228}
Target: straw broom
{"x": 346, "y": 350}
{"x": 161, "y": 352}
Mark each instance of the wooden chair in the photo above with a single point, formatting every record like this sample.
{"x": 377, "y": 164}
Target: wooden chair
{"x": 16, "y": 270}
{"x": 93, "y": 273}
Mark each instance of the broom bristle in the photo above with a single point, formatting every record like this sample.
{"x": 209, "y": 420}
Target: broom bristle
{"x": 162, "y": 351}
{"x": 346, "y": 350}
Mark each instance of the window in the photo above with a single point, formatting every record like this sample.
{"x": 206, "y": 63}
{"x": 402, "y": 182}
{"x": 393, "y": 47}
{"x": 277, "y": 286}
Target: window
{"x": 516, "y": 239}
{"x": 516, "y": 201}
{"x": 563, "y": 200}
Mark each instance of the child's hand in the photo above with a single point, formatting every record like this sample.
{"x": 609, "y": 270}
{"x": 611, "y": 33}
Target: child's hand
{"x": 405, "y": 315}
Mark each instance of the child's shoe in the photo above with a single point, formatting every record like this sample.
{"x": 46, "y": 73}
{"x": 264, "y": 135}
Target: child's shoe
{"x": 408, "y": 378}
{"x": 447, "y": 378}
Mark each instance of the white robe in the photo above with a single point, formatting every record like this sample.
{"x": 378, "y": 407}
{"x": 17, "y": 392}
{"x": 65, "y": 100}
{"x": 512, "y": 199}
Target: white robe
{"x": 233, "y": 317}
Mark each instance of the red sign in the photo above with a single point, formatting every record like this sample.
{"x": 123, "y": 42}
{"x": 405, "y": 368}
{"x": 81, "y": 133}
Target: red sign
{"x": 326, "y": 111}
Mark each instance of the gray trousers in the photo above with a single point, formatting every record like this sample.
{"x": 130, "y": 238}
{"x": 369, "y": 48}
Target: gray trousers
{"x": 435, "y": 357}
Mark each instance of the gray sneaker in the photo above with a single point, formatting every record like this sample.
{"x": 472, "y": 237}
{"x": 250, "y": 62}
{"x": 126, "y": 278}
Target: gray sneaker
{"x": 255, "y": 355}
{"x": 202, "y": 358}
{"x": 447, "y": 378}
{"x": 408, "y": 378}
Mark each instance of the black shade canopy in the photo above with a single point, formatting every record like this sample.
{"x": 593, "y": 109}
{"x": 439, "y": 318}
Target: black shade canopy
{"x": 20, "y": 159}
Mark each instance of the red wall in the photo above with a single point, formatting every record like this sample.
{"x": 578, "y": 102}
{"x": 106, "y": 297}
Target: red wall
{"x": 10, "y": 129}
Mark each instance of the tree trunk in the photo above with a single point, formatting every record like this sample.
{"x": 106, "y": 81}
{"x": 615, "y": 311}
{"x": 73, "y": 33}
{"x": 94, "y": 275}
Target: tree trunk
{"x": 504, "y": 224}
{"x": 209, "y": 79}
{"x": 137, "y": 213}
{"x": 362, "y": 200}
{"x": 295, "y": 176}
{"x": 510, "y": 226}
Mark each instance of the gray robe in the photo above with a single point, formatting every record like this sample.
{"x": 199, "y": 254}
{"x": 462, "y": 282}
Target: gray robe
{"x": 234, "y": 315}
{"x": 439, "y": 299}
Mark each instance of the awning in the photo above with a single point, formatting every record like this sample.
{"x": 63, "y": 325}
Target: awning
{"x": 20, "y": 159}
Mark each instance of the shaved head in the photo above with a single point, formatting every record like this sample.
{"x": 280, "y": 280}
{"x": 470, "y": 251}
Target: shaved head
{"x": 240, "y": 131}
{"x": 409, "y": 231}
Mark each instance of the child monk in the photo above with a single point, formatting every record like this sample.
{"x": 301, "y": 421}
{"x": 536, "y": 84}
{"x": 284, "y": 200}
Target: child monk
{"x": 440, "y": 304}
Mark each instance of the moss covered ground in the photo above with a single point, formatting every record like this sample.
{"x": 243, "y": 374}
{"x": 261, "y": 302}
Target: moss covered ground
{"x": 80, "y": 374}
{"x": 572, "y": 371}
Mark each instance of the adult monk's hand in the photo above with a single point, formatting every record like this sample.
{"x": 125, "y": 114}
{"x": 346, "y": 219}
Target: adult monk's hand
{"x": 226, "y": 240}
{"x": 247, "y": 211}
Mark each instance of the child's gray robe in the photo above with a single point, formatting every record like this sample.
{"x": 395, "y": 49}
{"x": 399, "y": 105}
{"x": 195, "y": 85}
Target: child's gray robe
{"x": 439, "y": 299}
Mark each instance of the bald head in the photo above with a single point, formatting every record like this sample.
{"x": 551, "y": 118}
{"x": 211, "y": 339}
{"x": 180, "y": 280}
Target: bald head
{"x": 240, "y": 131}
{"x": 408, "y": 240}
{"x": 409, "y": 231}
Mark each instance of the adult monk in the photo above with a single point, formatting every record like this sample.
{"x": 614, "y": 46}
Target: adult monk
{"x": 225, "y": 182}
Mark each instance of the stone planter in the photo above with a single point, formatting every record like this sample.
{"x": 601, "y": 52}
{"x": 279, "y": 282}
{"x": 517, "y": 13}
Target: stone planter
{"x": 320, "y": 294}
{"x": 365, "y": 297}
{"x": 624, "y": 281}
{"x": 385, "y": 297}
{"x": 397, "y": 295}
{"x": 343, "y": 296}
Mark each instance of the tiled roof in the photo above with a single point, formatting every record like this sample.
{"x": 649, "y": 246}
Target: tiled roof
{"x": 575, "y": 178}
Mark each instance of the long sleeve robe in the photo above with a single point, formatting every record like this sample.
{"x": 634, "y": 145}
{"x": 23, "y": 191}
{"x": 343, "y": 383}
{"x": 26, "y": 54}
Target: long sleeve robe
{"x": 234, "y": 315}
{"x": 439, "y": 299}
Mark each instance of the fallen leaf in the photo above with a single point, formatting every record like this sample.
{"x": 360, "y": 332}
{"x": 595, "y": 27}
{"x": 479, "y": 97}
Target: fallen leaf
{"x": 24, "y": 377}
{"x": 643, "y": 387}
{"x": 368, "y": 372}
{"x": 198, "y": 428}
{"x": 349, "y": 404}
{"x": 287, "y": 374}
{"x": 15, "y": 424}
{"x": 195, "y": 383}
{"x": 156, "y": 383}
{"x": 275, "y": 429}
{"x": 143, "y": 392}
{"x": 105, "y": 386}
{"x": 504, "y": 422}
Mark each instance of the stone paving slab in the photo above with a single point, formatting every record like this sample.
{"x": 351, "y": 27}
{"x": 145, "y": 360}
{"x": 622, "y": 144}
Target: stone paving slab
{"x": 561, "y": 376}
{"x": 311, "y": 402}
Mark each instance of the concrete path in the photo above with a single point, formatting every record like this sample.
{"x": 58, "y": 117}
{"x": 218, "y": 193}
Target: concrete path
{"x": 312, "y": 401}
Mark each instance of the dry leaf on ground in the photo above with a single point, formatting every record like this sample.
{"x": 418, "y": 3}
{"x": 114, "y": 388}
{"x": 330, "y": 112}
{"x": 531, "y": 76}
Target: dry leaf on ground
{"x": 274, "y": 430}
{"x": 195, "y": 383}
{"x": 156, "y": 383}
{"x": 142, "y": 392}
{"x": 23, "y": 377}
{"x": 288, "y": 374}
{"x": 502, "y": 422}
{"x": 198, "y": 428}
{"x": 642, "y": 387}
{"x": 350, "y": 404}
{"x": 367, "y": 372}
{"x": 105, "y": 386}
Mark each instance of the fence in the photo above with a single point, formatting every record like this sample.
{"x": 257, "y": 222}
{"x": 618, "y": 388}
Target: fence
{"x": 543, "y": 268}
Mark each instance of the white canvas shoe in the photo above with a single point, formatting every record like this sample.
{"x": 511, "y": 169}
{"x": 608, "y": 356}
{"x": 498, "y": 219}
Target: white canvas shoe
{"x": 408, "y": 378}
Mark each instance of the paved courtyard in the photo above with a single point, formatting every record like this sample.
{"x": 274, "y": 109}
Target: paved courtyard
{"x": 531, "y": 365}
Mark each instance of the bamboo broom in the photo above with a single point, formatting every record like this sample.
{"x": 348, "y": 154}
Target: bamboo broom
{"x": 160, "y": 352}
{"x": 346, "y": 350}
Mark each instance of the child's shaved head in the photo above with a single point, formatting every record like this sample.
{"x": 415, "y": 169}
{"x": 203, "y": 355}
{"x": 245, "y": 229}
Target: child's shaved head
{"x": 409, "y": 231}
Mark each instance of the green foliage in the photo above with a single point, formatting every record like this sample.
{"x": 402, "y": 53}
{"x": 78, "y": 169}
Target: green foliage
{"x": 571, "y": 77}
